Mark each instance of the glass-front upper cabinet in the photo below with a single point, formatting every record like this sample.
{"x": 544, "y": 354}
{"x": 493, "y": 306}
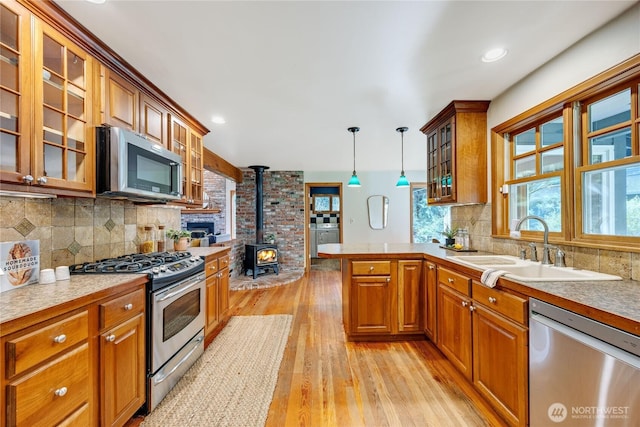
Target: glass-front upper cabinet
{"x": 196, "y": 166}
{"x": 62, "y": 118}
{"x": 15, "y": 60}
{"x": 178, "y": 141}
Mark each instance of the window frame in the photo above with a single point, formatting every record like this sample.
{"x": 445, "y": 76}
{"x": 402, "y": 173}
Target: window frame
{"x": 573, "y": 106}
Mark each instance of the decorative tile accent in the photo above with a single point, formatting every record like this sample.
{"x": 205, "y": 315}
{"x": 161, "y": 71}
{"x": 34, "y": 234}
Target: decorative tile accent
{"x": 74, "y": 248}
{"x": 109, "y": 224}
{"x": 25, "y": 227}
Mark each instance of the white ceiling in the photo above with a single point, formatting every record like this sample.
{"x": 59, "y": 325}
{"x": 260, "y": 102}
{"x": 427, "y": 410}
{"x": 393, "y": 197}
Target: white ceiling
{"x": 290, "y": 77}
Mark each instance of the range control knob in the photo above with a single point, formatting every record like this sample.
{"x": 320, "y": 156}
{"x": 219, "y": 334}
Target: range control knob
{"x": 155, "y": 270}
{"x": 194, "y": 259}
{"x": 163, "y": 268}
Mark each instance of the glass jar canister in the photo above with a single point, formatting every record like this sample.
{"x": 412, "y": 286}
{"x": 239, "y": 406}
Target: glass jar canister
{"x": 161, "y": 237}
{"x": 147, "y": 244}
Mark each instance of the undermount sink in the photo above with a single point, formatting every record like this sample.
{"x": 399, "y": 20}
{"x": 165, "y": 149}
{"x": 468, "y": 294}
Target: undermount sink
{"x": 529, "y": 271}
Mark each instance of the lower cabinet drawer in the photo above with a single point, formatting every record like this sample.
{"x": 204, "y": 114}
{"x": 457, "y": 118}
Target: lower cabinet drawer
{"x": 50, "y": 394}
{"x": 509, "y": 305}
{"x": 121, "y": 308}
{"x": 371, "y": 268}
{"x": 26, "y": 351}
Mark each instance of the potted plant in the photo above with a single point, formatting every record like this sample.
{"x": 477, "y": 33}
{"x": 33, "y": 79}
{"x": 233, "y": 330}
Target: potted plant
{"x": 270, "y": 238}
{"x": 180, "y": 239}
{"x": 450, "y": 234}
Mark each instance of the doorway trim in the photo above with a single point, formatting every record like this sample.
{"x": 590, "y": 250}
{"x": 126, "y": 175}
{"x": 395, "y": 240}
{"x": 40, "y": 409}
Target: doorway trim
{"x": 307, "y": 217}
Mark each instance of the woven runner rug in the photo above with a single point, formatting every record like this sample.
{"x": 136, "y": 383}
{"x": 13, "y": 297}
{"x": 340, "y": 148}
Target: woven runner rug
{"x": 232, "y": 383}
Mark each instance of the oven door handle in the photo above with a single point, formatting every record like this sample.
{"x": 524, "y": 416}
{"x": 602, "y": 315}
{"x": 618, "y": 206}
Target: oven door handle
{"x": 164, "y": 376}
{"x": 181, "y": 290}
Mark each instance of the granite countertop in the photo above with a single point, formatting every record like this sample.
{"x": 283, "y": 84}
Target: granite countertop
{"x": 597, "y": 299}
{"x": 204, "y": 251}
{"x": 30, "y": 299}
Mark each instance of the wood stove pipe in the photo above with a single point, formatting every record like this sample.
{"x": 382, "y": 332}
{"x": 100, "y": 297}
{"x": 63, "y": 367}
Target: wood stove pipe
{"x": 259, "y": 204}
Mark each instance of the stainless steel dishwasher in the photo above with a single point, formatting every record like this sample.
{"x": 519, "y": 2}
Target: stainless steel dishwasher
{"x": 581, "y": 372}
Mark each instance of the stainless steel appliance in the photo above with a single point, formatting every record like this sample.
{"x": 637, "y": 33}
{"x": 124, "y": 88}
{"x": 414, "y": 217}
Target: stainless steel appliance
{"x": 581, "y": 372}
{"x": 175, "y": 313}
{"x": 129, "y": 166}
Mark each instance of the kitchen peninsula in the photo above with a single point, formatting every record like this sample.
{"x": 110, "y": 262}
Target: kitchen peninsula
{"x": 413, "y": 291}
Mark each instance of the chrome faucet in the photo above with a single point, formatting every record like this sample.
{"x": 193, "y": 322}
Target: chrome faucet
{"x": 546, "y": 260}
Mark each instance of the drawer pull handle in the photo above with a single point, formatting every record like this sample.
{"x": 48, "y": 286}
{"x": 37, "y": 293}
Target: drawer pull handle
{"x": 60, "y": 339}
{"x": 388, "y": 279}
{"x": 464, "y": 303}
{"x": 128, "y": 307}
{"x": 492, "y": 300}
{"x": 110, "y": 338}
{"x": 450, "y": 280}
{"x": 371, "y": 268}
{"x": 60, "y": 392}
{"x": 471, "y": 308}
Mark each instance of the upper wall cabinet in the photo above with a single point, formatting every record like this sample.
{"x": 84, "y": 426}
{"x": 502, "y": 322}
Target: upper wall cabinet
{"x": 119, "y": 106}
{"x": 187, "y": 143}
{"x": 457, "y": 153}
{"x": 47, "y": 115}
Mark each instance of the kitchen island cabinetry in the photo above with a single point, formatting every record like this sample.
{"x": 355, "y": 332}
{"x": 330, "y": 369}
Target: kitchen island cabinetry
{"x": 122, "y": 357}
{"x": 457, "y": 146}
{"x": 382, "y": 299}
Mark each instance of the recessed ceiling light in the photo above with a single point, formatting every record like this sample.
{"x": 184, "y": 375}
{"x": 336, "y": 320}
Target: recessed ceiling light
{"x": 494, "y": 54}
{"x": 97, "y": 1}
{"x": 219, "y": 120}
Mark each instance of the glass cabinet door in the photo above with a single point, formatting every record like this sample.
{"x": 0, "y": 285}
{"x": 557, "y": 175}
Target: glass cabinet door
{"x": 433, "y": 175}
{"x": 196, "y": 169}
{"x": 446, "y": 161}
{"x": 63, "y": 133}
{"x": 15, "y": 58}
{"x": 178, "y": 141}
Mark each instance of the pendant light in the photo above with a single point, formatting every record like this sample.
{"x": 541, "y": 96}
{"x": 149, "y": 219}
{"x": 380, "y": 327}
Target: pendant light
{"x": 354, "y": 181}
{"x": 402, "y": 181}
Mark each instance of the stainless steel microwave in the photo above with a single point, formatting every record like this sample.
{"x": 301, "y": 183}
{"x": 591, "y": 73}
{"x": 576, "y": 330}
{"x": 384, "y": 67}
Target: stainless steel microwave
{"x": 128, "y": 166}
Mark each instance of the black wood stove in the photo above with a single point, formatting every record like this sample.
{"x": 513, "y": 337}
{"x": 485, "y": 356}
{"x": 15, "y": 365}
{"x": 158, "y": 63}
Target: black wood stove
{"x": 260, "y": 257}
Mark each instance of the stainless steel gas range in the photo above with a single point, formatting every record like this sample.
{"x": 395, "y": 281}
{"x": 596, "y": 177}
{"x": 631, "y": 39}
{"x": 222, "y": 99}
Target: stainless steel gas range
{"x": 175, "y": 313}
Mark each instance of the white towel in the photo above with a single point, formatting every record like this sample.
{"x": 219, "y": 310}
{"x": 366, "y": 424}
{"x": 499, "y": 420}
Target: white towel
{"x": 490, "y": 276}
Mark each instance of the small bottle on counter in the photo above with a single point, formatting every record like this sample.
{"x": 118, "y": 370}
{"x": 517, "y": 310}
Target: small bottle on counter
{"x": 147, "y": 244}
{"x": 161, "y": 238}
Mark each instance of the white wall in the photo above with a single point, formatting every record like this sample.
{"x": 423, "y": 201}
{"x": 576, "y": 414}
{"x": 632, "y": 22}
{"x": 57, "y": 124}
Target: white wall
{"x": 354, "y": 222}
{"x": 610, "y": 45}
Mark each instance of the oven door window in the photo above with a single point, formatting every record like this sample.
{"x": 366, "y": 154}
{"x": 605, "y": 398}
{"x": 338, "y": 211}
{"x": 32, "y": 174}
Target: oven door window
{"x": 180, "y": 313}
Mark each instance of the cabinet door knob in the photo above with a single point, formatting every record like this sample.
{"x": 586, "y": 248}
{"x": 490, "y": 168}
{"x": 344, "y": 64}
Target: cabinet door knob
{"x": 42, "y": 180}
{"x": 128, "y": 307}
{"x": 431, "y": 267}
{"x": 27, "y": 179}
{"x": 371, "y": 268}
{"x": 465, "y": 303}
{"x": 110, "y": 338}
{"x": 450, "y": 280}
{"x": 60, "y": 392}
{"x": 471, "y": 308}
{"x": 492, "y": 300}
{"x": 388, "y": 279}
{"x": 60, "y": 339}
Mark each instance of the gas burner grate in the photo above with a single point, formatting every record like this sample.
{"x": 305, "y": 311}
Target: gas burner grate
{"x": 132, "y": 263}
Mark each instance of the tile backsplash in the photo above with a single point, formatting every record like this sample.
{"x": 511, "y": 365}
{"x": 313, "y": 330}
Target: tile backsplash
{"x": 76, "y": 230}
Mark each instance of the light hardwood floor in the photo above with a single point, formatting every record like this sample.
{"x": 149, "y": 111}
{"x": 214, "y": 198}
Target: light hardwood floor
{"x": 326, "y": 381}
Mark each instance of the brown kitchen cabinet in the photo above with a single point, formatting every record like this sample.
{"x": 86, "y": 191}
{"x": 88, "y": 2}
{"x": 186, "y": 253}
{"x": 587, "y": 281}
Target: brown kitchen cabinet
{"x": 483, "y": 333}
{"x": 47, "y": 370}
{"x": 154, "y": 120}
{"x": 217, "y": 278}
{"x": 47, "y": 142}
{"x": 383, "y": 299}
{"x": 454, "y": 319}
{"x": 500, "y": 352}
{"x": 120, "y": 100}
{"x": 429, "y": 289}
{"x": 187, "y": 143}
{"x": 457, "y": 153}
{"x": 122, "y": 357}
